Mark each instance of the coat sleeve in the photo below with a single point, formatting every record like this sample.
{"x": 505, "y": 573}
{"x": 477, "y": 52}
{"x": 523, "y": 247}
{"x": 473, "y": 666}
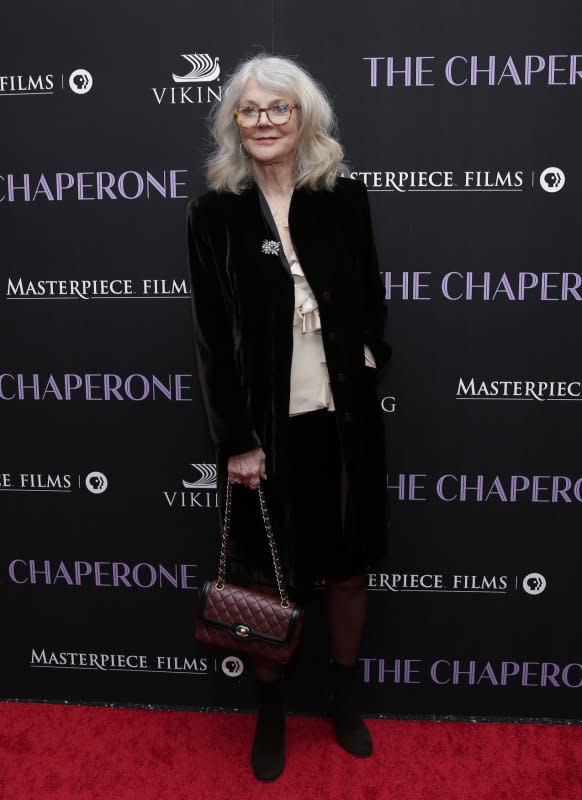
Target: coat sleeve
{"x": 373, "y": 291}
{"x": 225, "y": 401}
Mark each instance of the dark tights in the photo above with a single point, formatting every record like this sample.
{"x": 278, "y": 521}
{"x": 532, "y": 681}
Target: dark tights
{"x": 345, "y": 609}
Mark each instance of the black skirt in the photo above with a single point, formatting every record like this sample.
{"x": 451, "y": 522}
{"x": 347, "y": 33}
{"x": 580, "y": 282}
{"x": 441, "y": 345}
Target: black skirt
{"x": 322, "y": 546}
{"x": 321, "y": 549}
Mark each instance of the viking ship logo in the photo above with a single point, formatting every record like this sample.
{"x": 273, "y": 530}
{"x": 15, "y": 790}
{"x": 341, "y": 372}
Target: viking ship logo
{"x": 204, "y": 69}
{"x": 207, "y": 479}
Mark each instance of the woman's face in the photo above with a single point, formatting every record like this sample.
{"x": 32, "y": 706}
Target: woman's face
{"x": 267, "y": 143}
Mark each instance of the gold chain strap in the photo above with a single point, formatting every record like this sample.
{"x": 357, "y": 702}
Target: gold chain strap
{"x": 272, "y": 545}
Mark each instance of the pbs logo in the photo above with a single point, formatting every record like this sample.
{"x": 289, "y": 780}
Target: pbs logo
{"x": 96, "y": 482}
{"x": 80, "y": 81}
{"x": 232, "y": 666}
{"x": 534, "y": 583}
{"x": 552, "y": 179}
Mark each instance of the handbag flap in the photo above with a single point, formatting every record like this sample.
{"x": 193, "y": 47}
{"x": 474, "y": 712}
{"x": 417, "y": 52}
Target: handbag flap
{"x": 247, "y": 613}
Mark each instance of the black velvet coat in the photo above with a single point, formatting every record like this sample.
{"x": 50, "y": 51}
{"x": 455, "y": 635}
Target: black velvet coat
{"x": 243, "y": 306}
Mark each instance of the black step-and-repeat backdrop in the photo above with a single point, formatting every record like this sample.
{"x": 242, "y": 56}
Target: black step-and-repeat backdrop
{"x": 464, "y": 122}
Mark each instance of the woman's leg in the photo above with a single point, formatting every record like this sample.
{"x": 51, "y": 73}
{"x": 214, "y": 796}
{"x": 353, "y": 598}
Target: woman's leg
{"x": 268, "y": 751}
{"x": 345, "y": 606}
{"x": 266, "y": 671}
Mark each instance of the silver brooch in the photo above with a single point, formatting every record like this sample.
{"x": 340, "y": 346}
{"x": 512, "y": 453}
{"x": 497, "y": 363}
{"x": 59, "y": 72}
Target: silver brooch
{"x": 270, "y": 247}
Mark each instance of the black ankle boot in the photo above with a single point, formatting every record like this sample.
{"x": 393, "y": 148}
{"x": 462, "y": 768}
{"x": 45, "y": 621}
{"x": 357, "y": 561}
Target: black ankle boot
{"x": 268, "y": 753}
{"x": 343, "y": 708}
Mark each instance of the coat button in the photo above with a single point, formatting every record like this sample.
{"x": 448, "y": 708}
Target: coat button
{"x": 326, "y": 294}
{"x": 347, "y": 416}
{"x": 332, "y": 336}
{"x": 341, "y": 376}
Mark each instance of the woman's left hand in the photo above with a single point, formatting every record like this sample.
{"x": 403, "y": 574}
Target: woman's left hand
{"x": 247, "y": 468}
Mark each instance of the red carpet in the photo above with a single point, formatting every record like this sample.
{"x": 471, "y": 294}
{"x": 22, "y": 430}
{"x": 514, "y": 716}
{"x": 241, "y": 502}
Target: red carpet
{"x": 61, "y": 752}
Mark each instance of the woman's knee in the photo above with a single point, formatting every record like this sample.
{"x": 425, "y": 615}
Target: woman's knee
{"x": 351, "y": 583}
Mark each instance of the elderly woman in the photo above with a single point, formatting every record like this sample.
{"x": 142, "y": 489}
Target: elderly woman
{"x": 289, "y": 311}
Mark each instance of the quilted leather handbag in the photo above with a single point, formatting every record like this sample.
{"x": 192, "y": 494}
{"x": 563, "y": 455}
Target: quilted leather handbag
{"x": 245, "y": 620}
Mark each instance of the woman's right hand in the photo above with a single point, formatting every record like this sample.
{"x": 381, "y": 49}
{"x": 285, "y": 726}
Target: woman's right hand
{"x": 247, "y": 468}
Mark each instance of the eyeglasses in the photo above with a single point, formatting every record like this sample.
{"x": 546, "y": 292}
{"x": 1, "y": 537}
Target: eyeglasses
{"x": 278, "y": 114}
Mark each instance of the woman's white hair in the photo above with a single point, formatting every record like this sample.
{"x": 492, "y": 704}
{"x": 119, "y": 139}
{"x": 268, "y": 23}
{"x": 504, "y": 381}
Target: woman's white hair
{"x": 320, "y": 156}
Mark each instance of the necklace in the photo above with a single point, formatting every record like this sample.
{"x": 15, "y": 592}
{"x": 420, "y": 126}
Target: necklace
{"x": 279, "y": 215}
{"x": 279, "y": 218}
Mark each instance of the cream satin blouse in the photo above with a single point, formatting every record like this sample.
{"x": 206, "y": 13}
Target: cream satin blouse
{"x": 310, "y": 385}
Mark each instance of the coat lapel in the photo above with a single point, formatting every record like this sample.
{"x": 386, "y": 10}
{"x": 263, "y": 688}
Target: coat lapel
{"x": 312, "y": 227}
{"x": 254, "y": 229}
{"x": 274, "y": 232}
